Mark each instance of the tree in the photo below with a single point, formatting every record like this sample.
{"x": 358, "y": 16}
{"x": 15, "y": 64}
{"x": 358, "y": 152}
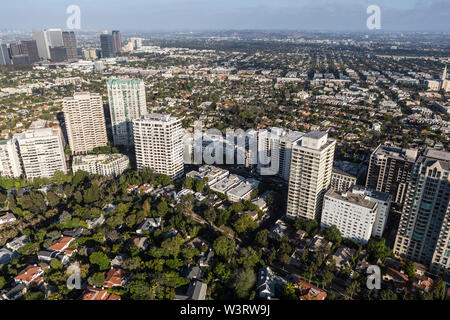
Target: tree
{"x": 353, "y": 288}
{"x": 410, "y": 269}
{"x": 388, "y": 295}
{"x": 171, "y": 246}
{"x": 56, "y": 264}
{"x": 245, "y": 223}
{"x": 162, "y": 208}
{"x": 189, "y": 183}
{"x": 222, "y": 217}
{"x": 100, "y": 259}
{"x": 163, "y": 180}
{"x": 210, "y": 214}
{"x": 199, "y": 185}
{"x": 2, "y": 282}
{"x": 243, "y": 281}
{"x": 222, "y": 270}
{"x": 224, "y": 247}
{"x": 378, "y": 249}
{"x": 327, "y": 278}
{"x": 289, "y": 292}
{"x": 261, "y": 238}
{"x": 249, "y": 258}
{"x": 97, "y": 279}
{"x": 333, "y": 234}
{"x": 92, "y": 194}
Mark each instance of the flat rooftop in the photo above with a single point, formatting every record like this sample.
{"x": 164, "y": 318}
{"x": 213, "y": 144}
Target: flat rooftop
{"x": 354, "y": 198}
{"x": 393, "y": 152}
{"x": 437, "y": 154}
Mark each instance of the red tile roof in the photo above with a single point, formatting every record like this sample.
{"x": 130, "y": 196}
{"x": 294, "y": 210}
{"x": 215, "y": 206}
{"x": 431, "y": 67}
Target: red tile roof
{"x": 30, "y": 275}
{"x": 310, "y": 292}
{"x": 92, "y": 293}
{"x": 115, "y": 277}
{"x": 61, "y": 244}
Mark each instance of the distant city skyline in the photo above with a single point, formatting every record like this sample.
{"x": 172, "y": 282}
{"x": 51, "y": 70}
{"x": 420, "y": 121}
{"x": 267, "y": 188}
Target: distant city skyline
{"x": 195, "y": 15}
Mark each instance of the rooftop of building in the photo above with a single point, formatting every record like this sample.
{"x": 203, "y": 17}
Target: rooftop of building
{"x": 437, "y": 154}
{"x": 103, "y": 158}
{"x": 159, "y": 117}
{"x": 354, "y": 198}
{"x": 292, "y": 136}
{"x": 371, "y": 193}
{"x": 393, "y": 152}
{"x": 316, "y": 134}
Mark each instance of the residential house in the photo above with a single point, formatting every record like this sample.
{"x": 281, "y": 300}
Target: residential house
{"x": 6, "y": 256}
{"x": 17, "y": 243}
{"x": 309, "y": 292}
{"x": 98, "y": 294}
{"x": 343, "y": 256}
{"x": 149, "y": 224}
{"x": 116, "y": 278}
{"x": 7, "y": 219}
{"x": 266, "y": 285}
{"x": 31, "y": 275}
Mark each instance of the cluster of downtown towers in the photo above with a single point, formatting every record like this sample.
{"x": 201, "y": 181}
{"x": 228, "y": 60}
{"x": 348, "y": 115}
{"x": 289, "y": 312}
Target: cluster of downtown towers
{"x": 417, "y": 183}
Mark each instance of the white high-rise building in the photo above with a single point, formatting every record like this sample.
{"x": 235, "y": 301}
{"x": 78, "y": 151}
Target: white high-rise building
{"x": 276, "y": 145}
{"x": 55, "y": 38}
{"x": 158, "y": 141}
{"x": 286, "y": 144}
{"x": 85, "y": 122}
{"x": 42, "y": 152}
{"x": 310, "y": 174}
{"x": 9, "y": 159}
{"x": 352, "y": 213}
{"x": 42, "y": 44}
{"x": 383, "y": 201}
{"x": 127, "y": 102}
{"x": 101, "y": 164}
{"x": 269, "y": 151}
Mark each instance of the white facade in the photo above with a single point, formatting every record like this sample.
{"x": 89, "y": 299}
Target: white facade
{"x": 85, "y": 122}
{"x": 42, "y": 44}
{"x": 351, "y": 213}
{"x": 127, "y": 102}
{"x": 243, "y": 190}
{"x": 158, "y": 140}
{"x": 9, "y": 159}
{"x": 101, "y": 164}
{"x": 341, "y": 181}
{"x": 383, "y": 200}
{"x": 55, "y": 38}
{"x": 310, "y": 174}
{"x": 276, "y": 145}
{"x": 286, "y": 144}
{"x": 42, "y": 152}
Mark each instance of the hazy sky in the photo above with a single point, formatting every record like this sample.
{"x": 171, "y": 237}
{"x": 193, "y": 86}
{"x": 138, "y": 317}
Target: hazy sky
{"x": 427, "y": 15}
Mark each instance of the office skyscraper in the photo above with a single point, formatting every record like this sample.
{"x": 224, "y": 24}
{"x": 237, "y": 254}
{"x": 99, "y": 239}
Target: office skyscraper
{"x": 106, "y": 42}
{"x": 158, "y": 142}
{"x": 390, "y": 170}
{"x": 40, "y": 36}
{"x": 127, "y": 102}
{"x": 58, "y": 54}
{"x": 41, "y": 150}
{"x": 424, "y": 231}
{"x": 15, "y": 49}
{"x": 55, "y": 38}
{"x": 117, "y": 41}
{"x": 85, "y": 122}
{"x": 310, "y": 174}
{"x": 4, "y": 55}
{"x": 70, "y": 43}
{"x": 30, "y": 48}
